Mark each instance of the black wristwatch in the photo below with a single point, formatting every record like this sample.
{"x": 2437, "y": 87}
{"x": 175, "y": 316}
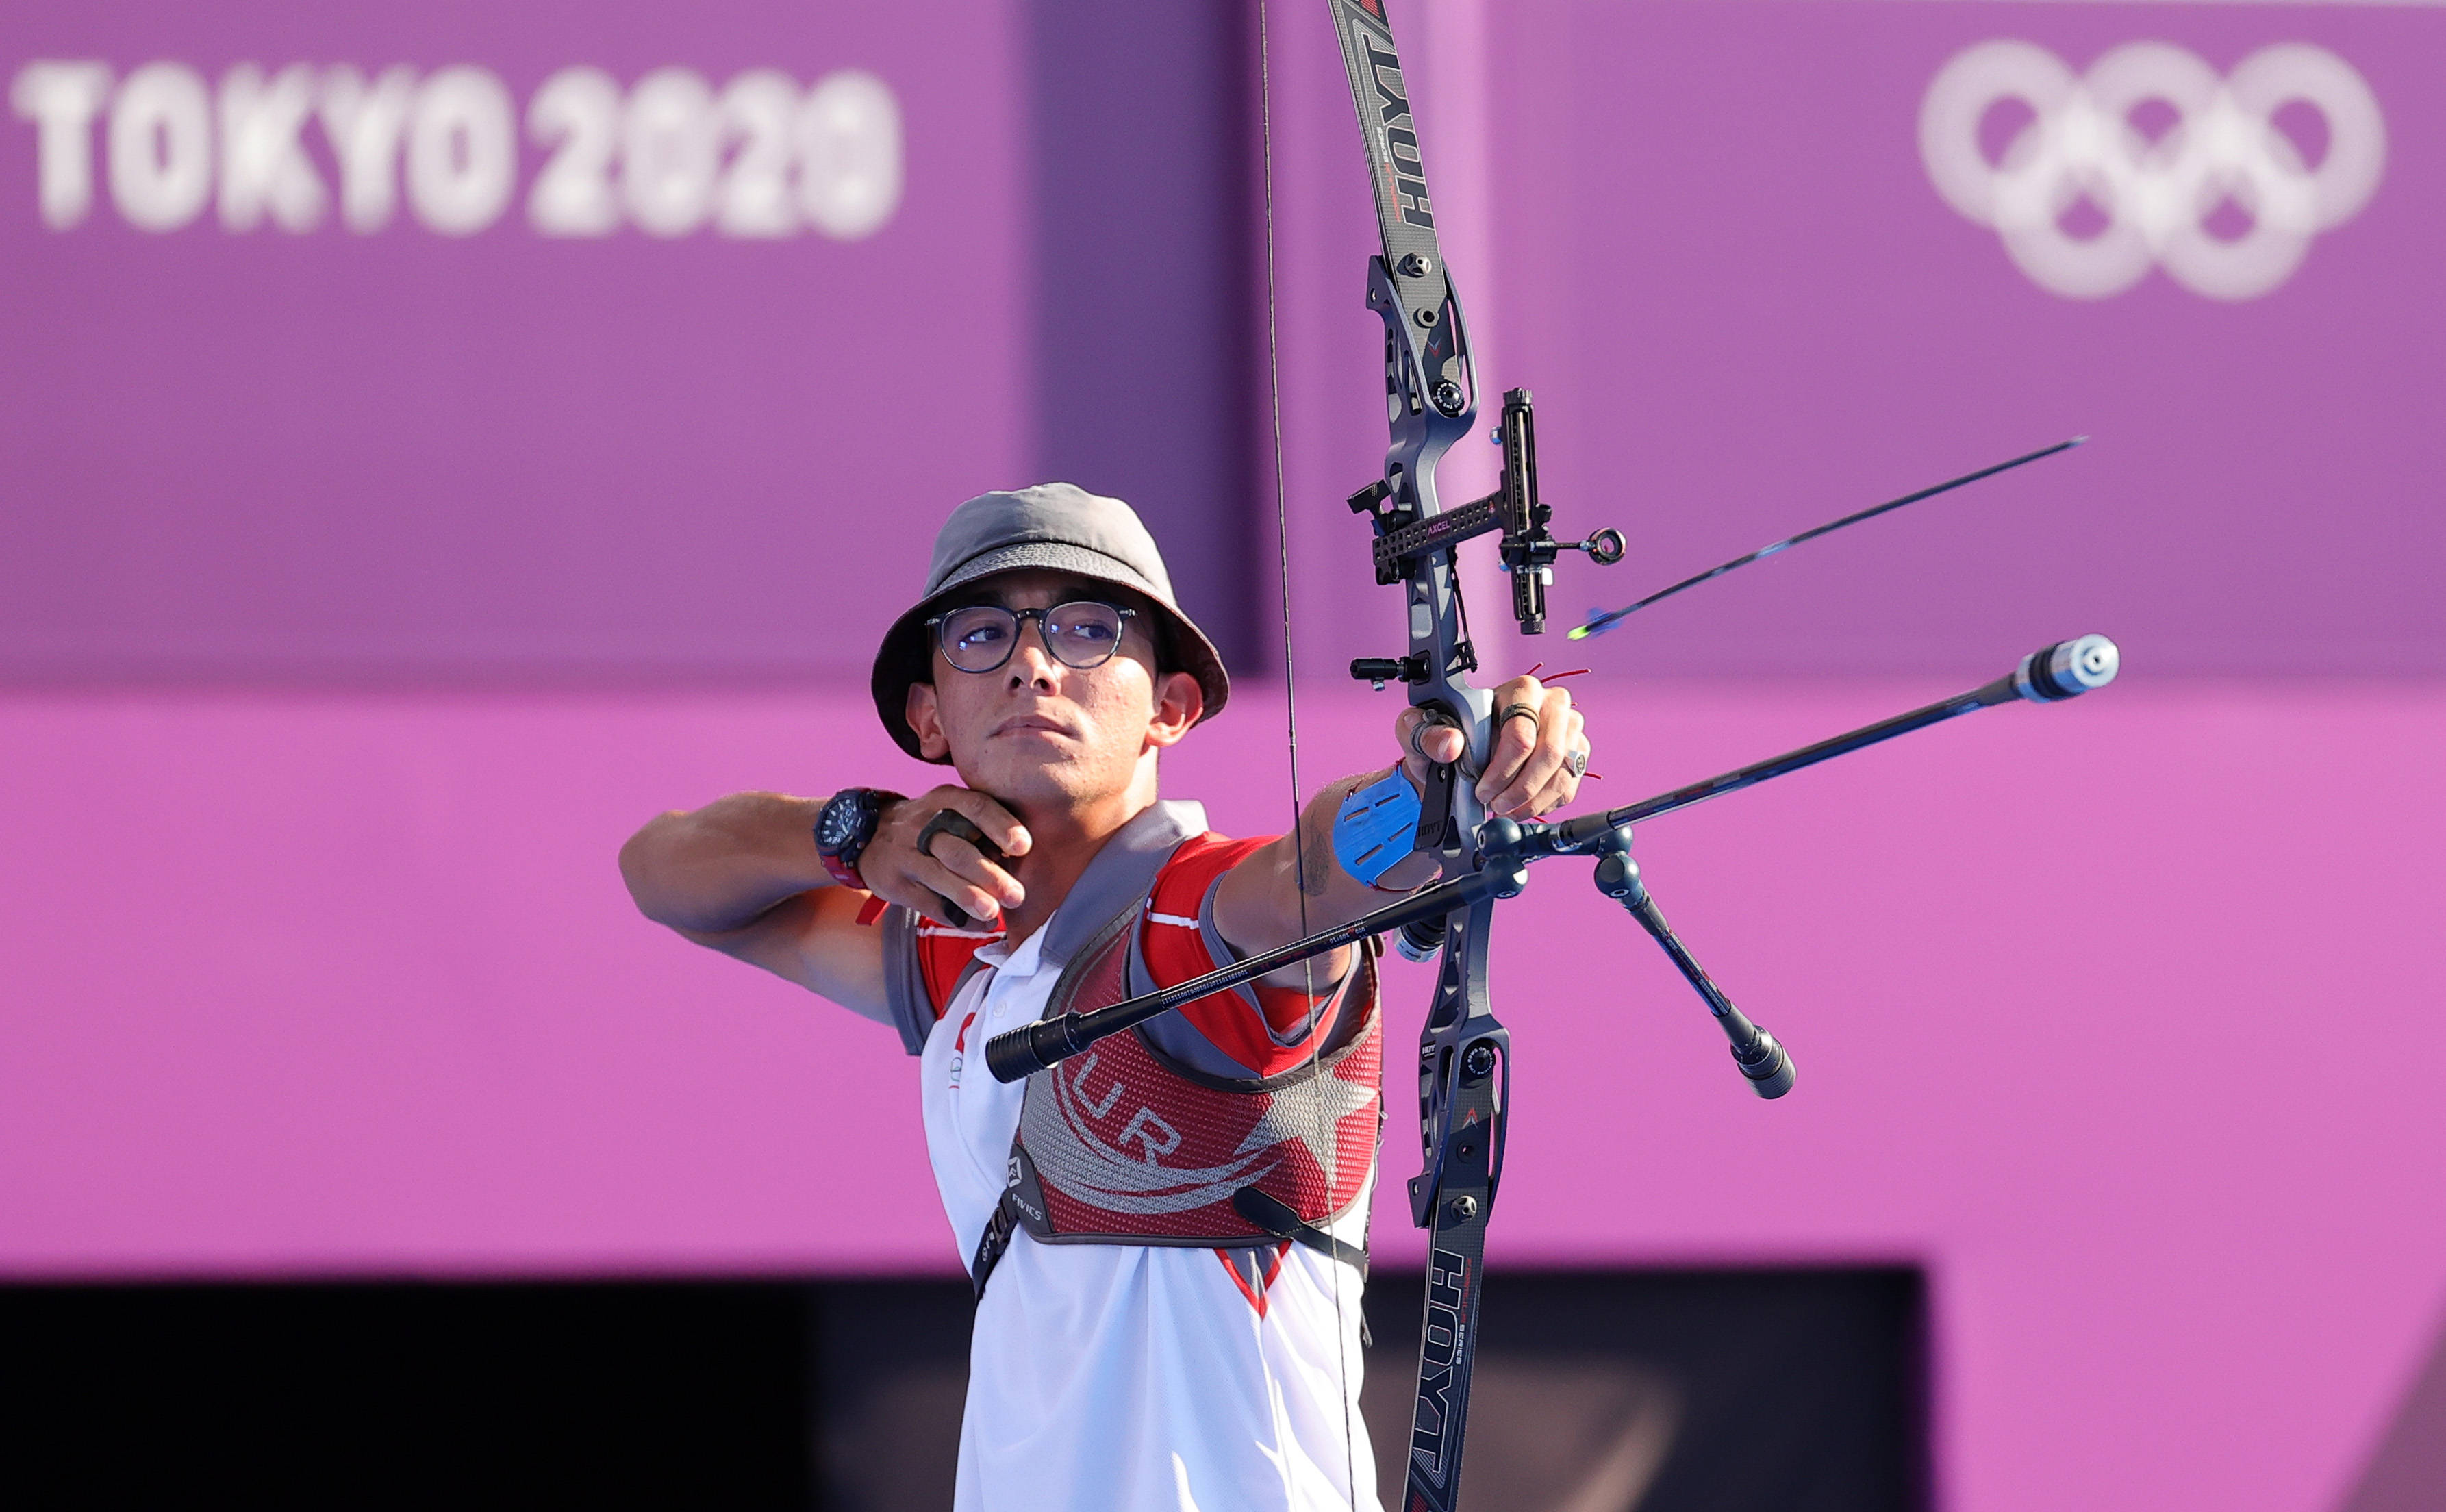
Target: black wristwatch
{"x": 845, "y": 828}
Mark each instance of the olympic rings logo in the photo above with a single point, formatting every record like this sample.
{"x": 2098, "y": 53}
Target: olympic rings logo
{"x": 2161, "y": 198}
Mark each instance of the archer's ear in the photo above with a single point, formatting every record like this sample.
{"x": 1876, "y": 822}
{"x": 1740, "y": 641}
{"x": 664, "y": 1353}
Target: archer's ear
{"x": 1179, "y": 702}
{"x": 926, "y": 721}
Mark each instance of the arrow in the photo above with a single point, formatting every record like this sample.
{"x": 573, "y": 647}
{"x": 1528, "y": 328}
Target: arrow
{"x": 1604, "y": 620}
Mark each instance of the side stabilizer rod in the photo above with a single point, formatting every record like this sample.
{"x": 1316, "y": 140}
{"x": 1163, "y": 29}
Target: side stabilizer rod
{"x": 1761, "y": 1058}
{"x": 2048, "y": 675}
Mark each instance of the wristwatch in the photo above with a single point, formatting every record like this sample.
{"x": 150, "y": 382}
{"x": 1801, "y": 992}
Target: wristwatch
{"x": 846, "y": 826}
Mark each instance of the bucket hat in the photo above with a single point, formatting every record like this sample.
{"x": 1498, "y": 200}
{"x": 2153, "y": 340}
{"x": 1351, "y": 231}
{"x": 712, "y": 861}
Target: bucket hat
{"x": 1060, "y": 527}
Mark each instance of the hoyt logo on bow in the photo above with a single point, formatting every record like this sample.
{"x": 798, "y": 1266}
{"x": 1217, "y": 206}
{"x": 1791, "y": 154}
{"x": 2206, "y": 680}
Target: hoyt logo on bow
{"x": 1397, "y": 136}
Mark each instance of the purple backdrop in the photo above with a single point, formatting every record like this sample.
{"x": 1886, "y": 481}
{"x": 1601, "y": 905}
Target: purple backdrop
{"x": 2109, "y": 1016}
{"x": 343, "y": 454}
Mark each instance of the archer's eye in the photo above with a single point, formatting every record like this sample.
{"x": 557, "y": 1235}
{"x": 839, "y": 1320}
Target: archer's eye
{"x": 977, "y": 638}
{"x": 1096, "y": 626}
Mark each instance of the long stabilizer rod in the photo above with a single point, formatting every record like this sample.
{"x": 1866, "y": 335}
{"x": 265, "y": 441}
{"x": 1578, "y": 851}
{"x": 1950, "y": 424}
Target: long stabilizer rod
{"x": 2047, "y": 675}
{"x": 1599, "y": 623}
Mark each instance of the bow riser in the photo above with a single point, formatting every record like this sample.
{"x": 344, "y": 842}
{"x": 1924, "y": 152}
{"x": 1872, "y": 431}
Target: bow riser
{"x": 1440, "y": 656}
{"x": 1430, "y": 402}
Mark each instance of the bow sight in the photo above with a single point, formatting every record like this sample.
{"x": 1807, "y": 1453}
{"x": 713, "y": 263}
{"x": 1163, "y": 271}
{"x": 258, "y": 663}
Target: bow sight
{"x": 1528, "y": 549}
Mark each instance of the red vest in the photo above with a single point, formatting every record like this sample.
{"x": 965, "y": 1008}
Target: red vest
{"x": 1128, "y": 1144}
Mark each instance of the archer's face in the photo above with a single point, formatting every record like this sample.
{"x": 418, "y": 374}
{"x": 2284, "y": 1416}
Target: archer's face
{"x": 1037, "y": 731}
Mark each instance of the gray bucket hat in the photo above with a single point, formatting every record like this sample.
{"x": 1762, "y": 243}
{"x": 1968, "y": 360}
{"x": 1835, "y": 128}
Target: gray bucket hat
{"x": 1058, "y": 526}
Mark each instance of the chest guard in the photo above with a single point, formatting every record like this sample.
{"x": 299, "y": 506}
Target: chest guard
{"x": 1130, "y": 1144}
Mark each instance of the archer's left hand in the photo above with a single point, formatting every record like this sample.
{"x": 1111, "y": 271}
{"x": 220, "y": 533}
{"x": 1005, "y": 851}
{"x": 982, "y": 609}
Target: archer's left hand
{"x": 1535, "y": 763}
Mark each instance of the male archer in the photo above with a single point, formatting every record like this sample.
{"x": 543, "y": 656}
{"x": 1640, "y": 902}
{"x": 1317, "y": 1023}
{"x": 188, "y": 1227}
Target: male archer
{"x": 1140, "y": 1341}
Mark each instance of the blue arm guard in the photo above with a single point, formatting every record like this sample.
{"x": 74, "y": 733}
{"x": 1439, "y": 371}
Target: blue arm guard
{"x": 1374, "y": 826}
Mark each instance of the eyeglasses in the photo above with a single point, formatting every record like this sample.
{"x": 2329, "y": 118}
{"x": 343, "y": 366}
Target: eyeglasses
{"x": 980, "y": 638}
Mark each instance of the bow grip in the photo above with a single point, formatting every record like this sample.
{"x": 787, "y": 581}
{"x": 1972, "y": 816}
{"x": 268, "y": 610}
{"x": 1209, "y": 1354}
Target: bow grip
{"x": 1438, "y": 827}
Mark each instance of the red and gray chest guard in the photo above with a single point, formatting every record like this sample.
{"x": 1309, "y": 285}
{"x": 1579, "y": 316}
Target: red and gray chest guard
{"x": 1143, "y": 1140}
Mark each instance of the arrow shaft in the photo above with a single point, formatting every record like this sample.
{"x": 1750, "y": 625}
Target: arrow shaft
{"x": 1606, "y": 621}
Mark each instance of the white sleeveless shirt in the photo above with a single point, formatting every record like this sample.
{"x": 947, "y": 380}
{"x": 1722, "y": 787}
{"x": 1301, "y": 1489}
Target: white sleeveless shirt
{"x": 1113, "y": 1377}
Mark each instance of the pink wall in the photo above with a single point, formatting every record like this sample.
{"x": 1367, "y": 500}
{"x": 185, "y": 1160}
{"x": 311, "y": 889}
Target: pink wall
{"x": 2114, "y": 1015}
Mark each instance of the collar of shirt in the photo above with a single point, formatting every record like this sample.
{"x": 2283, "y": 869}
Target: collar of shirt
{"x": 1005, "y": 958}
{"x": 1010, "y": 979}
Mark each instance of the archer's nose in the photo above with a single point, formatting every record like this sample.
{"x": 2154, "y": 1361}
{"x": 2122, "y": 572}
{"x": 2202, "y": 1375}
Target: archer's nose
{"x": 1032, "y": 664}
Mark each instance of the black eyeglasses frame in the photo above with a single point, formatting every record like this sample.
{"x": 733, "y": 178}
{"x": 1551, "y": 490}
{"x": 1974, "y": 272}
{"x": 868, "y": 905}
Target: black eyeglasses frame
{"x": 1019, "y": 619}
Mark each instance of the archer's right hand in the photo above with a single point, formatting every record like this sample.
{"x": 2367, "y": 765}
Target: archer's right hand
{"x": 951, "y": 869}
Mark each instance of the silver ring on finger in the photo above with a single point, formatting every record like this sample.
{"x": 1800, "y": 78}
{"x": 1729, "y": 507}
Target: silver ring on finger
{"x": 1577, "y": 761}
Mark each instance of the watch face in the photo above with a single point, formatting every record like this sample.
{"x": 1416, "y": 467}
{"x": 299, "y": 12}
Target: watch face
{"x": 839, "y": 824}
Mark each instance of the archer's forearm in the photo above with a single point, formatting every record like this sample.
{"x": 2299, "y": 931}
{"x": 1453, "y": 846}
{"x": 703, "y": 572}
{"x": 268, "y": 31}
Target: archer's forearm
{"x": 723, "y": 867}
{"x": 1343, "y": 896}
{"x": 1295, "y": 885}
